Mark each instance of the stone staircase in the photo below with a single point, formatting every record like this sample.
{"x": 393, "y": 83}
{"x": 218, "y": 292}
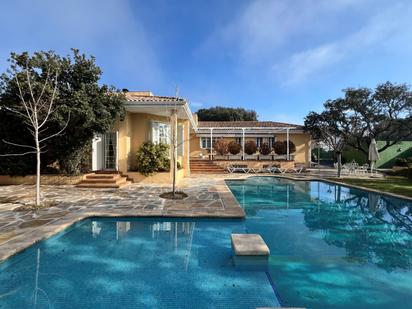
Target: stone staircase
{"x": 205, "y": 167}
{"x": 104, "y": 180}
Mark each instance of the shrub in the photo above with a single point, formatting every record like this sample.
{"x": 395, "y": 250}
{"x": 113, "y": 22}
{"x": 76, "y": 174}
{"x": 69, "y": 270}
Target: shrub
{"x": 280, "y": 148}
{"x": 221, "y": 147}
{"x": 250, "y": 147}
{"x": 403, "y": 161}
{"x": 265, "y": 149}
{"x": 234, "y": 148}
{"x": 292, "y": 147}
{"x": 152, "y": 158}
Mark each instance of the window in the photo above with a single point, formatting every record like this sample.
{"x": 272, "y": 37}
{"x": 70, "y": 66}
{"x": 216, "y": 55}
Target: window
{"x": 205, "y": 142}
{"x": 259, "y": 141}
{"x": 160, "y": 133}
{"x": 238, "y": 140}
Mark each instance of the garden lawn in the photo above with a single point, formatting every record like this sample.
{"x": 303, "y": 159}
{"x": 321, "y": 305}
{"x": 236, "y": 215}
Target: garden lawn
{"x": 391, "y": 184}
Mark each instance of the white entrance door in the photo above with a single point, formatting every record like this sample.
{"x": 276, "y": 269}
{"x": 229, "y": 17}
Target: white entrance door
{"x": 105, "y": 151}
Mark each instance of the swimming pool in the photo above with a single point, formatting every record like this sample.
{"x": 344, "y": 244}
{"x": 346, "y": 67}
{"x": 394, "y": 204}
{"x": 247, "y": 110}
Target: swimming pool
{"x": 135, "y": 263}
{"x": 331, "y": 247}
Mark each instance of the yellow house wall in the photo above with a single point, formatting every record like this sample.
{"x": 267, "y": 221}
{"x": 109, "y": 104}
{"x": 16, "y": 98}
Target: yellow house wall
{"x": 301, "y": 141}
{"x": 303, "y": 146}
{"x": 134, "y": 130}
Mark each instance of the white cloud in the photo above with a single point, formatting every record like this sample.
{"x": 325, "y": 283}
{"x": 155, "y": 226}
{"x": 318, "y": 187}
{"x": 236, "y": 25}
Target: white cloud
{"x": 380, "y": 31}
{"x": 292, "y": 41}
{"x": 264, "y": 26}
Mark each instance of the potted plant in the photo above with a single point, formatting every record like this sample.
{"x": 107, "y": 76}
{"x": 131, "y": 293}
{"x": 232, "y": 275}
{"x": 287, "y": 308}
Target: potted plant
{"x": 264, "y": 152}
{"x": 250, "y": 150}
{"x": 234, "y": 149}
{"x": 280, "y": 149}
{"x": 221, "y": 149}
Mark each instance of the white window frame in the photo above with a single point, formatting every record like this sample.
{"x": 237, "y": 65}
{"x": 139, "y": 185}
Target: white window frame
{"x": 207, "y": 141}
{"x": 160, "y": 132}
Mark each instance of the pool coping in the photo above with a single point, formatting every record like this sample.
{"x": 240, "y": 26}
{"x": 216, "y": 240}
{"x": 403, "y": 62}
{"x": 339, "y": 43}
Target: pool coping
{"x": 231, "y": 210}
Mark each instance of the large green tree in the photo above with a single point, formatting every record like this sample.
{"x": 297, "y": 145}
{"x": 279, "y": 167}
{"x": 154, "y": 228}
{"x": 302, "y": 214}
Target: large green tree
{"x": 220, "y": 113}
{"x": 383, "y": 113}
{"x": 93, "y": 109}
{"x": 329, "y": 127}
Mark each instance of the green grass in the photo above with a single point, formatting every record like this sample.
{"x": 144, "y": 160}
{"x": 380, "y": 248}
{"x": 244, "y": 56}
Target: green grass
{"x": 391, "y": 184}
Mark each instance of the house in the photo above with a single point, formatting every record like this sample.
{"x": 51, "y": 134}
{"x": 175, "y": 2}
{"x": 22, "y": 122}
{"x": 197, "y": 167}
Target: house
{"x": 148, "y": 118}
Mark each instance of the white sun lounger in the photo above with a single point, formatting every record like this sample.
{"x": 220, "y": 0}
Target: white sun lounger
{"x": 298, "y": 168}
{"x": 238, "y": 168}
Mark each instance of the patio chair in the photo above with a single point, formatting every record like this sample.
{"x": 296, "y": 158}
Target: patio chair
{"x": 264, "y": 169}
{"x": 298, "y": 168}
{"x": 363, "y": 168}
{"x": 234, "y": 168}
{"x": 275, "y": 169}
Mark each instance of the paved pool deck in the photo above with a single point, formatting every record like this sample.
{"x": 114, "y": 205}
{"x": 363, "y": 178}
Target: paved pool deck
{"x": 208, "y": 197}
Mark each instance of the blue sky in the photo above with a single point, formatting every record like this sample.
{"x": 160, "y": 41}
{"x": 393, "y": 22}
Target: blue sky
{"x": 282, "y": 58}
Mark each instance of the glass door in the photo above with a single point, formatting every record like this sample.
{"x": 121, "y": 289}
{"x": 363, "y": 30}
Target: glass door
{"x": 110, "y": 150}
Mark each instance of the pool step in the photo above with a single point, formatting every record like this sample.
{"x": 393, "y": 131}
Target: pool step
{"x": 249, "y": 245}
{"x": 104, "y": 180}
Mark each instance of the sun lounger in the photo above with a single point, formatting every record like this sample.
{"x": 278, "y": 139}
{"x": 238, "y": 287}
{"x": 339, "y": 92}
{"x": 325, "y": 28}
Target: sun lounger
{"x": 298, "y": 168}
{"x": 235, "y": 168}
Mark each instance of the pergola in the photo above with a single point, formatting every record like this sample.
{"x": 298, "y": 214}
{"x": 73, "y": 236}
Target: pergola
{"x": 241, "y": 132}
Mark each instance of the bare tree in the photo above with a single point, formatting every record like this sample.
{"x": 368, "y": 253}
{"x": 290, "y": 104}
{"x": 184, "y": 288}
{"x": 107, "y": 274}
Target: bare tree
{"x": 36, "y": 105}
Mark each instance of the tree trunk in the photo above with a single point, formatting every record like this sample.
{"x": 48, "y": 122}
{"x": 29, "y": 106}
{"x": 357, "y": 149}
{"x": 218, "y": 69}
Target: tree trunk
{"x": 174, "y": 150}
{"x": 339, "y": 164}
{"x": 37, "y": 169}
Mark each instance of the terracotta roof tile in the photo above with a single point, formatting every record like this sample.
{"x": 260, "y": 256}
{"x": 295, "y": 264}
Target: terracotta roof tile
{"x": 139, "y": 96}
{"x": 259, "y": 124}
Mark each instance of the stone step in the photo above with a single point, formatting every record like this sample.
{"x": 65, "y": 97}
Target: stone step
{"x": 104, "y": 180}
{"x": 104, "y": 185}
{"x": 102, "y": 176}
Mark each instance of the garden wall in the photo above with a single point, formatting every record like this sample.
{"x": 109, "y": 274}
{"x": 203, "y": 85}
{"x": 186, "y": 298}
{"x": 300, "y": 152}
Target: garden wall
{"x": 44, "y": 179}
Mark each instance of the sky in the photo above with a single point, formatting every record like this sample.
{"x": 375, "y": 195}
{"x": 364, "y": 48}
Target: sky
{"x": 282, "y": 58}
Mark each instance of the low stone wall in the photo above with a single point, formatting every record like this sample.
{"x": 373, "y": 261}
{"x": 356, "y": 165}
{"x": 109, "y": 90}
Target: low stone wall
{"x": 254, "y": 163}
{"x": 158, "y": 178}
{"x": 44, "y": 180}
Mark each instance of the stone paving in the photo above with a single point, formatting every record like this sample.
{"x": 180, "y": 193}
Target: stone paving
{"x": 208, "y": 196}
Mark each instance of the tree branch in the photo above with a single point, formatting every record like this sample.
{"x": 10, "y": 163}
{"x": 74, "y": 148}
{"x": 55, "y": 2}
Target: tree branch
{"x": 57, "y": 133}
{"x": 18, "y": 145}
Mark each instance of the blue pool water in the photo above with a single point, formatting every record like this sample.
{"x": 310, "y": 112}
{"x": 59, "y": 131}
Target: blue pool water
{"x": 331, "y": 247}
